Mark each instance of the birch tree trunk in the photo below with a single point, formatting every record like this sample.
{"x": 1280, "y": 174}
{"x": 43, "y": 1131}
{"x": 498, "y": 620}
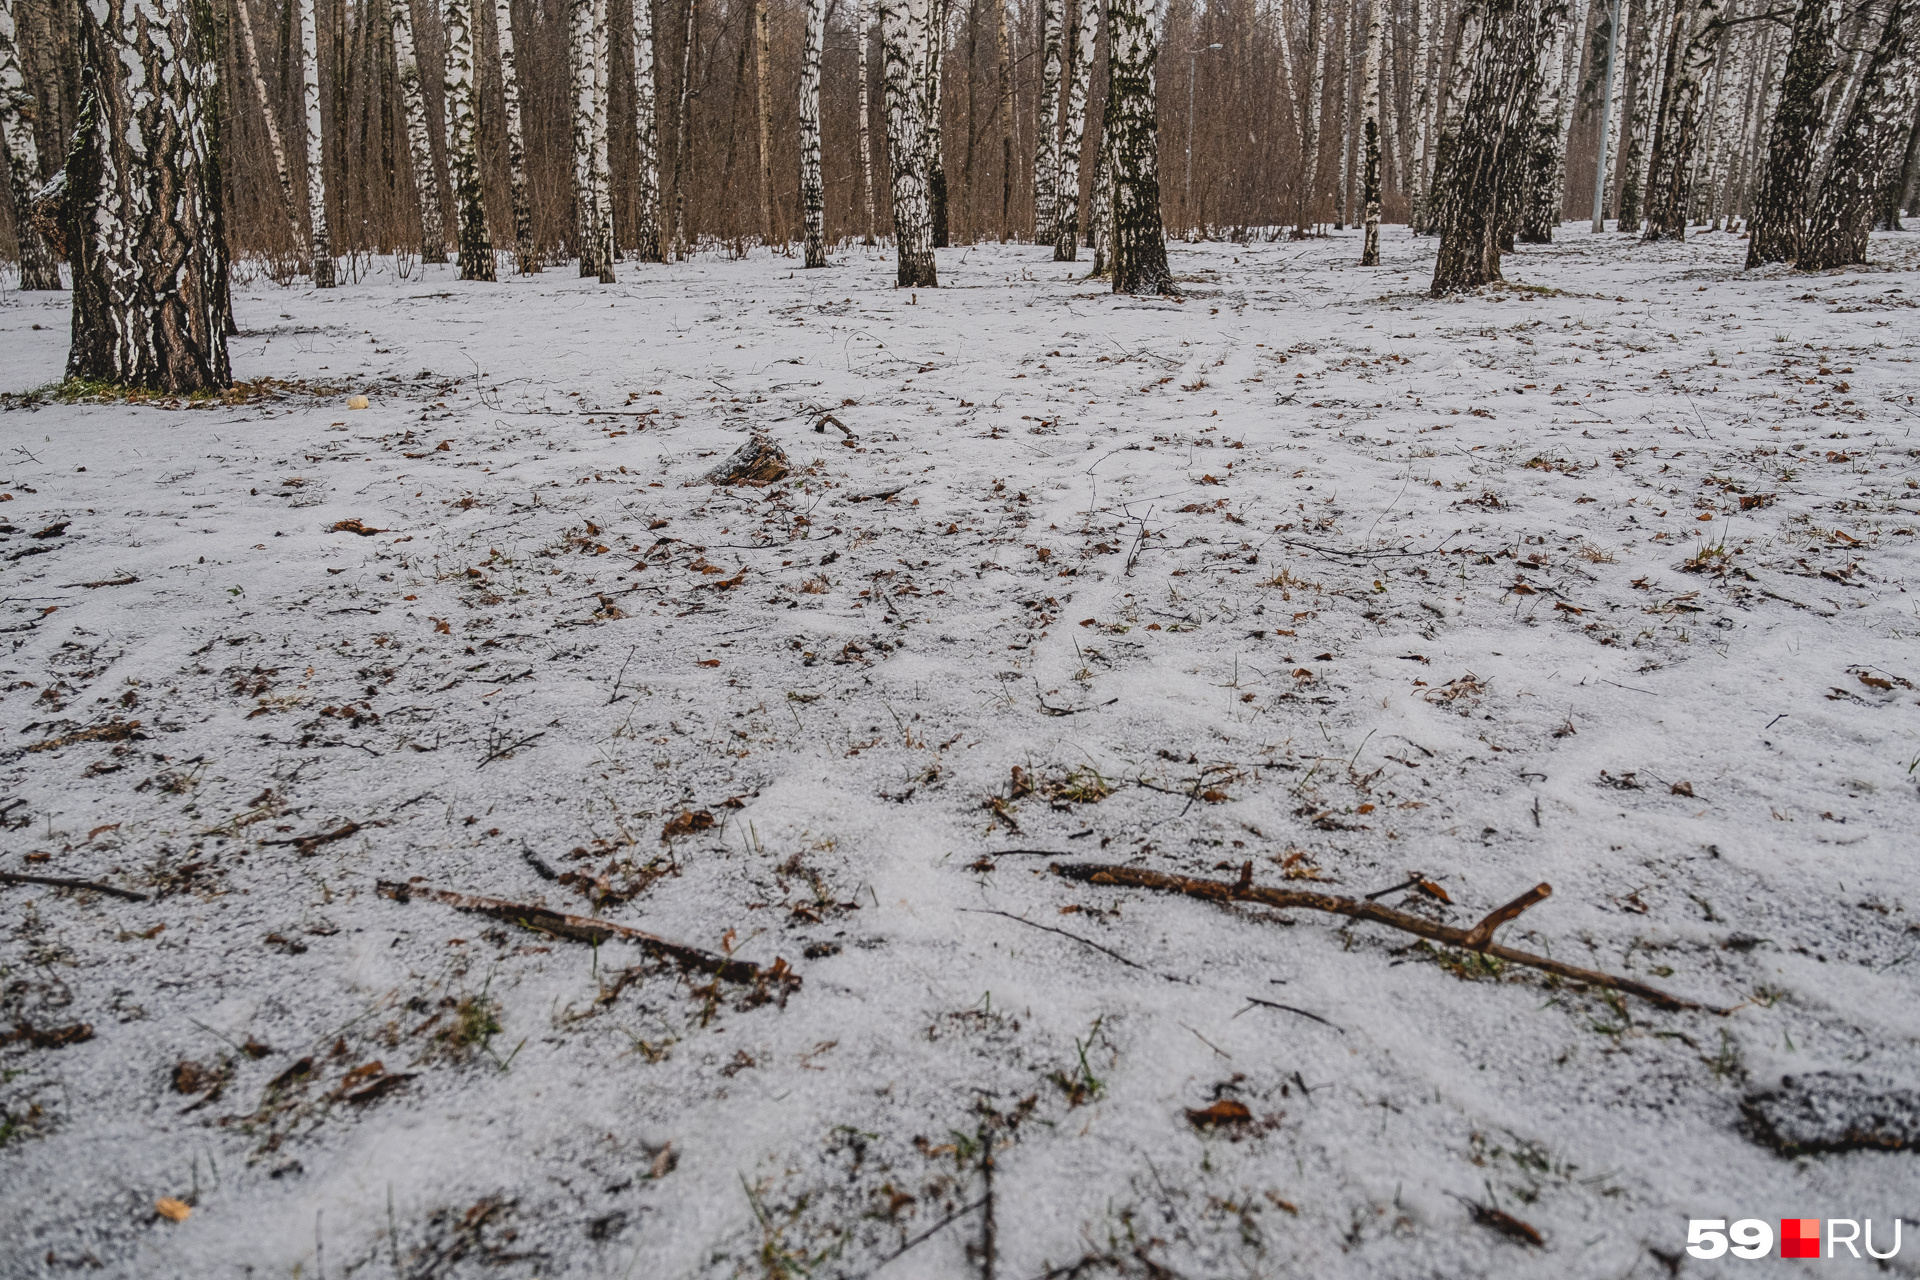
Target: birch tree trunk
{"x": 646, "y": 132}
{"x": 463, "y": 154}
{"x": 1462, "y": 61}
{"x": 426, "y": 181}
{"x": 251, "y": 55}
{"x": 1370, "y": 139}
{"x": 526, "y": 261}
{"x": 18, "y": 108}
{"x": 1869, "y": 149}
{"x": 1425, "y": 103}
{"x": 1489, "y": 145}
{"x": 1655, "y": 17}
{"x": 864, "y": 21}
{"x": 1085, "y": 35}
{"x": 1540, "y": 203}
{"x": 580, "y": 65}
{"x": 1309, "y": 198}
{"x": 1139, "y": 239}
{"x": 321, "y": 242}
{"x": 1102, "y": 220}
{"x": 137, "y": 217}
{"x": 763, "y": 91}
{"x": 903, "y": 35}
{"x": 1006, "y": 124}
{"x": 813, "y": 196}
{"x": 933, "y": 85}
{"x": 1286, "y": 74}
{"x": 1046, "y": 155}
{"x": 603, "y": 250}
{"x": 1677, "y": 126}
{"x": 683, "y": 130}
{"x": 1343, "y": 206}
{"x": 1779, "y": 221}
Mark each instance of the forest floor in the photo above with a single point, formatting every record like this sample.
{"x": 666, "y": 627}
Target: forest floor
{"x": 1603, "y": 578}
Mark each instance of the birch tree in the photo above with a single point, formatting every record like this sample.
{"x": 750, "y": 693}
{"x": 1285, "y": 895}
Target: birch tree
{"x": 137, "y": 215}
{"x": 18, "y": 109}
{"x": 1006, "y": 123}
{"x": 426, "y": 181}
{"x": 602, "y": 187}
{"x": 1046, "y": 155}
{"x": 1609, "y": 117}
{"x": 1695, "y": 39}
{"x": 1488, "y": 144}
{"x": 1139, "y": 238}
{"x": 863, "y": 19}
{"x": 813, "y": 196}
{"x": 1540, "y": 199}
{"x": 646, "y": 131}
{"x": 580, "y": 64}
{"x": 1343, "y": 208}
{"x": 1655, "y": 17}
{"x": 1778, "y": 223}
{"x": 683, "y": 128}
{"x": 1424, "y": 105}
{"x": 1370, "y": 139}
{"x": 1084, "y": 36}
{"x": 903, "y": 35}
{"x": 932, "y": 86}
{"x": 321, "y": 241}
{"x": 1308, "y": 198}
{"x": 463, "y": 155}
{"x": 1869, "y": 149}
{"x": 526, "y": 261}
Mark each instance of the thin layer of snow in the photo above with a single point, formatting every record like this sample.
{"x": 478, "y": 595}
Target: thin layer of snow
{"x": 1603, "y": 581}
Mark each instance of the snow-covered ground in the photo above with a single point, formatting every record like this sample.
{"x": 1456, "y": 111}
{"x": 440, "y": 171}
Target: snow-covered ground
{"x": 1604, "y": 579}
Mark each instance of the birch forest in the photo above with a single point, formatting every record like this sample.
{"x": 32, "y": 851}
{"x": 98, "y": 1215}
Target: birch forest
{"x": 959, "y": 639}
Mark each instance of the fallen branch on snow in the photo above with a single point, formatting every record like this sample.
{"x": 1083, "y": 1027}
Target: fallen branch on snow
{"x": 594, "y": 931}
{"x": 62, "y": 882}
{"x": 1479, "y": 938}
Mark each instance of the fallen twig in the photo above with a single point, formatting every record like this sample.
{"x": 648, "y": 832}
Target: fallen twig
{"x": 1085, "y": 942}
{"x": 590, "y": 929}
{"x": 1287, "y": 1008}
{"x": 1360, "y": 909}
{"x": 125, "y": 579}
{"x": 307, "y": 844}
{"x": 62, "y": 882}
{"x": 928, "y": 1234}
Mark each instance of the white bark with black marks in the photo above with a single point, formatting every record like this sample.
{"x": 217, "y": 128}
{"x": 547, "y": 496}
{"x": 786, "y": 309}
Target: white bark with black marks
{"x": 813, "y": 194}
{"x": 864, "y": 21}
{"x": 137, "y": 215}
{"x": 580, "y": 48}
{"x": 526, "y": 261}
{"x": 426, "y": 180}
{"x": 463, "y": 154}
{"x": 1677, "y": 123}
{"x": 1371, "y": 126}
{"x": 1139, "y": 237}
{"x": 646, "y": 132}
{"x": 1869, "y": 149}
{"x": 903, "y": 37}
{"x": 1046, "y": 154}
{"x": 1779, "y": 221}
{"x": 321, "y": 236}
{"x": 603, "y": 252}
{"x": 1084, "y": 36}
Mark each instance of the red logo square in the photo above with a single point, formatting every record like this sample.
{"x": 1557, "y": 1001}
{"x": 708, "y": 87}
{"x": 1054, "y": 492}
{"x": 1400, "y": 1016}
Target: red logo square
{"x": 1799, "y": 1237}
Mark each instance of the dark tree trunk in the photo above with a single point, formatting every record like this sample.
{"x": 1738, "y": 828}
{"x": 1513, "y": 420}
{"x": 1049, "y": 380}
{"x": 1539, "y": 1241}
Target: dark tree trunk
{"x": 903, "y": 30}
{"x": 1779, "y": 219}
{"x": 1473, "y": 193}
{"x": 139, "y": 215}
{"x": 1867, "y": 151}
{"x": 1139, "y": 239}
